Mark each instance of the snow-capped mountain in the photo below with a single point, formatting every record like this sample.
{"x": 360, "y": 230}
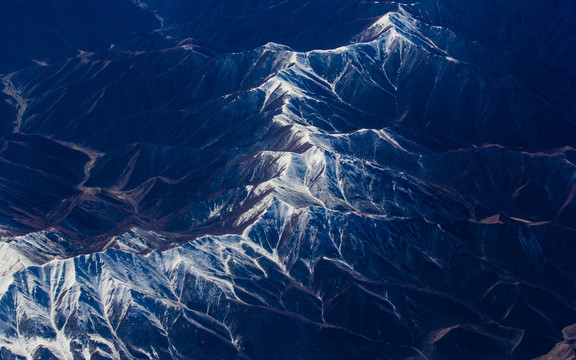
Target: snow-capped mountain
{"x": 288, "y": 180}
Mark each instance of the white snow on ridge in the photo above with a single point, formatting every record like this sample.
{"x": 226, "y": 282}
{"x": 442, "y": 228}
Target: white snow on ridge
{"x": 301, "y": 170}
{"x": 20, "y": 103}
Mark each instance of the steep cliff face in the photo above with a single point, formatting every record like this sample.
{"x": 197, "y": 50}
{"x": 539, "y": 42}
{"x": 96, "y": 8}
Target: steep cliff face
{"x": 289, "y": 180}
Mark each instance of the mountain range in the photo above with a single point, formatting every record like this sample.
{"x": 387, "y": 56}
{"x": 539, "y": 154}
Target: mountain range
{"x": 296, "y": 179}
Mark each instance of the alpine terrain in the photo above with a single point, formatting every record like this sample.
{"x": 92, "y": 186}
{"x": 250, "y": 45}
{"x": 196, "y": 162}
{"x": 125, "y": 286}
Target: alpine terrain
{"x": 288, "y": 179}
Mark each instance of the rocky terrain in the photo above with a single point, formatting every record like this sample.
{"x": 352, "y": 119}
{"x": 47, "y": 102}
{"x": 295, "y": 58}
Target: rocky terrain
{"x": 287, "y": 179}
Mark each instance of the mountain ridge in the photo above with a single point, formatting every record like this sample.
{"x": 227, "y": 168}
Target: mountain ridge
{"x": 387, "y": 198}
